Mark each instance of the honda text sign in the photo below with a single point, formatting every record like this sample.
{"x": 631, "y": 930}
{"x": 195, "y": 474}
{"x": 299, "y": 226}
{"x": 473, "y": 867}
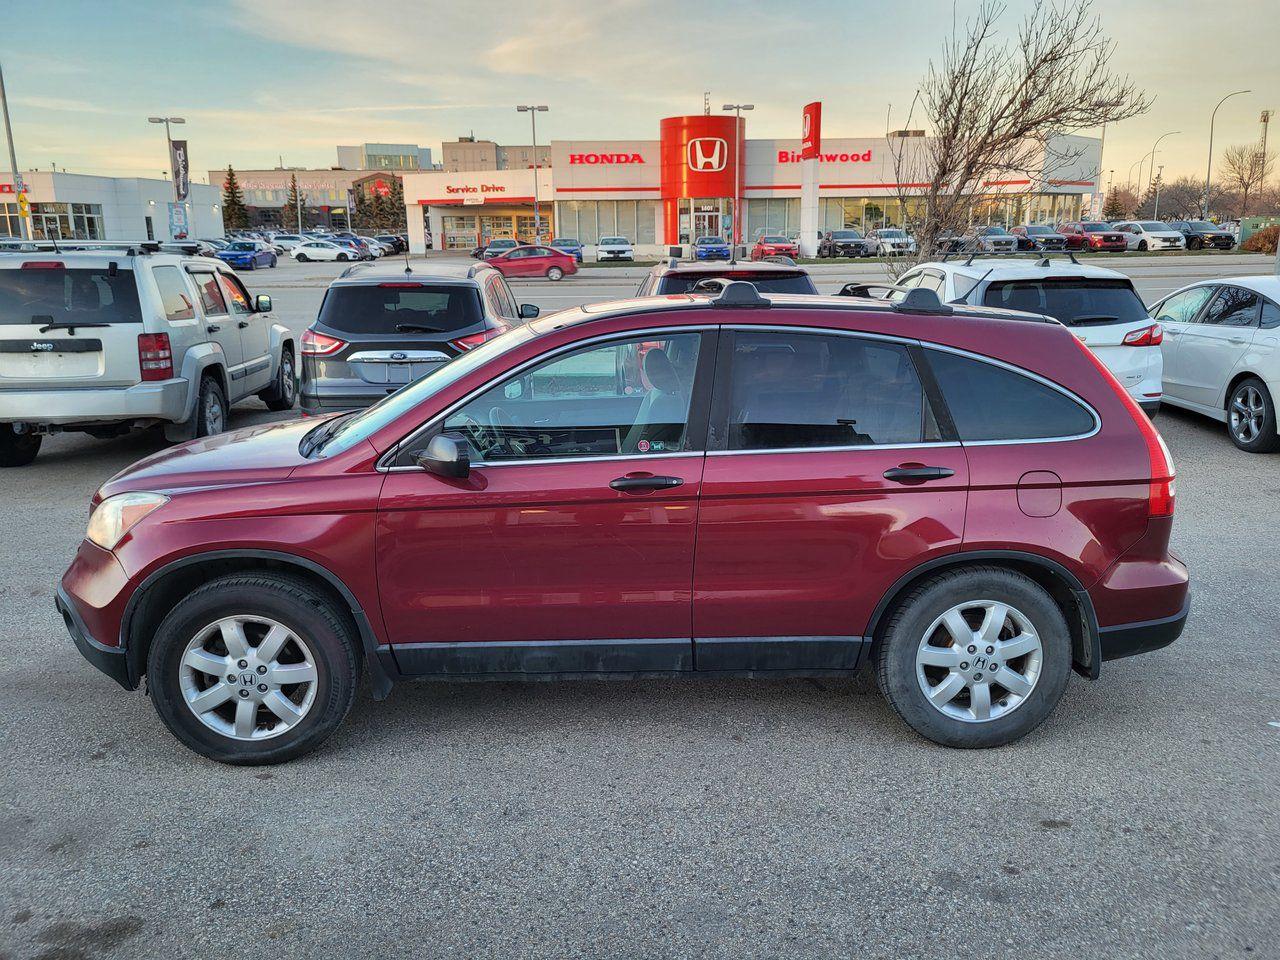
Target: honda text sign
{"x": 811, "y": 131}
{"x": 181, "y": 168}
{"x": 708, "y": 154}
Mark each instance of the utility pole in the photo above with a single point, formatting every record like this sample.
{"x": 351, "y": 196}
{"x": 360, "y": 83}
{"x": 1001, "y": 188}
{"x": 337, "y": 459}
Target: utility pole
{"x": 738, "y": 217}
{"x": 533, "y": 110}
{"x": 18, "y": 185}
{"x": 1262, "y": 174}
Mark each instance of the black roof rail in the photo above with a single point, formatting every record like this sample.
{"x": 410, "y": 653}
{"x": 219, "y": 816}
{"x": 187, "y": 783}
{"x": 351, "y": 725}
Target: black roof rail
{"x": 860, "y": 289}
{"x": 739, "y": 293}
{"x": 1041, "y": 255}
{"x": 922, "y": 300}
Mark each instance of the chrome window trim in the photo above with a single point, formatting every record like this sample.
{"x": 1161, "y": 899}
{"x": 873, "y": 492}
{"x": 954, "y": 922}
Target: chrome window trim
{"x": 551, "y": 460}
{"x": 849, "y": 448}
{"x": 384, "y": 461}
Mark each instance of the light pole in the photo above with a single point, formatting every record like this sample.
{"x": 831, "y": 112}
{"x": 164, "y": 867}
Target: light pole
{"x": 533, "y": 110}
{"x": 13, "y": 158}
{"x": 1154, "y": 148}
{"x": 737, "y": 109}
{"x": 1208, "y": 168}
{"x": 168, "y": 139}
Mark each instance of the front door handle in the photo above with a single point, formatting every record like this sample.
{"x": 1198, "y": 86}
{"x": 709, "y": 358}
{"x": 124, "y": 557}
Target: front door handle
{"x": 242, "y": 324}
{"x": 633, "y": 484}
{"x": 213, "y": 328}
{"x": 917, "y": 473}
{"x": 1237, "y": 340}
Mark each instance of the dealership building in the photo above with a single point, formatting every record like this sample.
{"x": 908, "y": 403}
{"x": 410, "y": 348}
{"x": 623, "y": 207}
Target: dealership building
{"x": 74, "y": 206}
{"x": 684, "y": 184}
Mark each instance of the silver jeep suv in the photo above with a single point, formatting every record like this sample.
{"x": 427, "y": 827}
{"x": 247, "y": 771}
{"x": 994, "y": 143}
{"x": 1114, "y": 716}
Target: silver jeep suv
{"x": 113, "y": 338}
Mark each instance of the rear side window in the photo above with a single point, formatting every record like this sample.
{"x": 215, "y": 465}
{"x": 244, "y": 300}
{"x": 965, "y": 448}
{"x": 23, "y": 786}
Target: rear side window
{"x": 781, "y": 281}
{"x": 989, "y": 402}
{"x": 1076, "y": 302}
{"x": 811, "y": 390}
{"x": 174, "y": 293}
{"x": 62, "y": 295}
{"x": 401, "y": 308}
{"x": 210, "y": 293}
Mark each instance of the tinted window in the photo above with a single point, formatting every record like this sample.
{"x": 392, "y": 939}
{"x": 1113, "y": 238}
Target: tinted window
{"x": 779, "y": 281}
{"x": 1270, "y": 315}
{"x": 1233, "y": 307}
{"x": 628, "y": 397}
{"x": 1076, "y": 302}
{"x": 174, "y": 293}
{"x": 989, "y": 402}
{"x": 64, "y": 295}
{"x": 384, "y": 308}
{"x": 809, "y": 390}
{"x": 1182, "y": 307}
{"x": 236, "y": 295}
{"x": 210, "y": 293}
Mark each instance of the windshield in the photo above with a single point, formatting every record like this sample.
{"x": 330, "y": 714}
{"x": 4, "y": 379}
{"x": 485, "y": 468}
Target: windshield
{"x": 242, "y": 245}
{"x": 890, "y": 233}
{"x": 614, "y": 241}
{"x": 1203, "y": 225}
{"x": 773, "y": 281}
{"x": 845, "y": 235}
{"x": 1038, "y": 230}
{"x": 774, "y": 240}
{"x": 704, "y": 241}
{"x": 1076, "y": 301}
{"x": 58, "y": 295}
{"x": 1096, "y": 227}
{"x": 565, "y": 243}
{"x": 1153, "y": 225}
{"x": 995, "y": 232}
{"x": 346, "y": 432}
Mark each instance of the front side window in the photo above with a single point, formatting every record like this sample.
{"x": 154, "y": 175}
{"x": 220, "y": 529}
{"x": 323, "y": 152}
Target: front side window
{"x": 629, "y": 397}
{"x": 990, "y": 402}
{"x": 1182, "y": 307}
{"x": 1233, "y": 307}
{"x": 174, "y": 294}
{"x": 799, "y": 391}
{"x": 210, "y": 293}
{"x": 237, "y": 296}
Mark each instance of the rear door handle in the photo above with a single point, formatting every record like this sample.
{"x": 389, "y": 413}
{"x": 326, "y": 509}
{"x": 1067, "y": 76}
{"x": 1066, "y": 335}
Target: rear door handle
{"x": 915, "y": 474}
{"x": 631, "y": 484}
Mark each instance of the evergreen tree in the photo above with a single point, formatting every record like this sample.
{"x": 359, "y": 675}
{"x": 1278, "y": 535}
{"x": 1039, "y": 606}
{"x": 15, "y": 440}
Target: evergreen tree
{"x": 291, "y": 215}
{"x": 235, "y": 216}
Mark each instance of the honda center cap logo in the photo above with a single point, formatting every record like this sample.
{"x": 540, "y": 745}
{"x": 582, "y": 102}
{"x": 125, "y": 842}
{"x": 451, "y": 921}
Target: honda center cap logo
{"x": 708, "y": 154}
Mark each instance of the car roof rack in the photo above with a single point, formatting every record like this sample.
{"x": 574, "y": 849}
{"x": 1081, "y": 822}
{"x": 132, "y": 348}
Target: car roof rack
{"x": 922, "y": 300}
{"x": 739, "y": 293}
{"x": 132, "y": 248}
{"x": 1041, "y": 255}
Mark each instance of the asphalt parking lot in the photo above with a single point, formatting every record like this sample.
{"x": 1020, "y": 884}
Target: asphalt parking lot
{"x": 788, "y": 818}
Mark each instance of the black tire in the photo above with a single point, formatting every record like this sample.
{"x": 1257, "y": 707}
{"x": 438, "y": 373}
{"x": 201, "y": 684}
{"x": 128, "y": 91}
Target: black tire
{"x": 283, "y": 393}
{"x": 343, "y": 258}
{"x": 896, "y": 648}
{"x": 302, "y": 258}
{"x": 554, "y": 273}
{"x": 211, "y": 397}
{"x": 18, "y": 449}
{"x": 1195, "y": 243}
{"x": 1142, "y": 245}
{"x": 272, "y": 264}
{"x": 288, "y": 600}
{"x": 1261, "y": 436}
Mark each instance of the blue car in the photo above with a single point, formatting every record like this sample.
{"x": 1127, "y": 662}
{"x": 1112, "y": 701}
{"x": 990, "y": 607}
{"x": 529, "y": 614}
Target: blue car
{"x": 247, "y": 254}
{"x": 711, "y": 248}
{"x": 571, "y": 247}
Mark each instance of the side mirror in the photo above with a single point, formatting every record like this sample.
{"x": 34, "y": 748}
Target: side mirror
{"x": 528, "y": 311}
{"x": 262, "y": 303}
{"x": 446, "y": 456}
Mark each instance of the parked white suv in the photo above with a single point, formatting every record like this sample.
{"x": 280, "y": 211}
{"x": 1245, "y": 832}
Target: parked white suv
{"x": 107, "y": 340}
{"x": 1150, "y": 235}
{"x": 615, "y": 248}
{"x": 1099, "y": 305}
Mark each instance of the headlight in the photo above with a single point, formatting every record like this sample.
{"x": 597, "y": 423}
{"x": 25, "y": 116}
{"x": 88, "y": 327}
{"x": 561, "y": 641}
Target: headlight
{"x": 116, "y": 515}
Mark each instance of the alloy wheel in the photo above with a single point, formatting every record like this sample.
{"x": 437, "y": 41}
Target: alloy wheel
{"x": 215, "y": 417}
{"x": 288, "y": 384}
{"x": 248, "y": 678}
{"x": 979, "y": 661}
{"x": 1248, "y": 413}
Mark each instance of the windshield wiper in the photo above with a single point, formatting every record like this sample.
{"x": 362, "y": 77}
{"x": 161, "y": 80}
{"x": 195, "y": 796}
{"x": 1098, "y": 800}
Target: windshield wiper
{"x": 416, "y": 328}
{"x": 320, "y": 436}
{"x": 69, "y": 325}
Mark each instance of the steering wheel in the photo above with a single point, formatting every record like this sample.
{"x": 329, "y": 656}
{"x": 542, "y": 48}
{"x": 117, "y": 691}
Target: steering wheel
{"x": 483, "y": 438}
{"x": 504, "y": 428}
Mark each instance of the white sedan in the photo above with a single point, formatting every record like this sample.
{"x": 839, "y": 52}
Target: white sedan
{"x": 614, "y": 248}
{"x": 321, "y": 250}
{"x": 1151, "y": 235}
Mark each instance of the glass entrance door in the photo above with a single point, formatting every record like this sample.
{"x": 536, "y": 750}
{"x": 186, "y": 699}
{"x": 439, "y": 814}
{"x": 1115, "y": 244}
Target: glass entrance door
{"x": 706, "y": 224}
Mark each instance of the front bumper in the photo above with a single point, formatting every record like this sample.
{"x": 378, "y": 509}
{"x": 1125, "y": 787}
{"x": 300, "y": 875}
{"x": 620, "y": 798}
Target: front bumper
{"x": 110, "y": 660}
{"x": 92, "y": 598}
{"x": 712, "y": 254}
{"x": 153, "y": 400}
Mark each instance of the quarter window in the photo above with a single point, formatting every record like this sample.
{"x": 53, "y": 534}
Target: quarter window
{"x": 174, "y": 293}
{"x": 988, "y": 402}
{"x": 796, "y": 391}
{"x": 630, "y": 398}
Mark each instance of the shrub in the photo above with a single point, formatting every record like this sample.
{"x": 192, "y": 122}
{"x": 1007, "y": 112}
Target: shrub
{"x": 1262, "y": 241}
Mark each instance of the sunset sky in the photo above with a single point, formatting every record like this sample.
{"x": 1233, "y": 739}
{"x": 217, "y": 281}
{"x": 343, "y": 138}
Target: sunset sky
{"x": 259, "y": 81}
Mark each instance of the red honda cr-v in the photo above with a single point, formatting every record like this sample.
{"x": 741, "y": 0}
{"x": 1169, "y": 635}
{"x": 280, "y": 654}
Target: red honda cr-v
{"x": 965, "y": 500}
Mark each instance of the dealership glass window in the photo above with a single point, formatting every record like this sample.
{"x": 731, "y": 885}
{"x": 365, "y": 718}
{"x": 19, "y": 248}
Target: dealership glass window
{"x": 51, "y": 221}
{"x": 646, "y": 221}
{"x": 10, "y": 220}
{"x": 460, "y": 233}
{"x": 86, "y": 221}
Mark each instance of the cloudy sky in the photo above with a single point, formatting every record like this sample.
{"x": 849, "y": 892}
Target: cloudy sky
{"x": 261, "y": 80}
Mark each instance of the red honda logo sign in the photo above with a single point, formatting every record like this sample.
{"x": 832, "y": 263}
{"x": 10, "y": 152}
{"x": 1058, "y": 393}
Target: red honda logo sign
{"x": 594, "y": 158}
{"x": 811, "y": 132}
{"x": 708, "y": 154}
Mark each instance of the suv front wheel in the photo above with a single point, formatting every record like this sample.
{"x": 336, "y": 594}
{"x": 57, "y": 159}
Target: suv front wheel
{"x": 975, "y": 658}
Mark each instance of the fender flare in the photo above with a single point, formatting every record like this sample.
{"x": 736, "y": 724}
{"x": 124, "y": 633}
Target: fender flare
{"x": 195, "y": 362}
{"x": 1087, "y": 660}
{"x": 279, "y": 337}
{"x": 380, "y": 671}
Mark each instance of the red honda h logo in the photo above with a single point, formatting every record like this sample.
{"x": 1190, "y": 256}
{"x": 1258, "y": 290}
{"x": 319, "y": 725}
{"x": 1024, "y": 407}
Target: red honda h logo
{"x": 708, "y": 154}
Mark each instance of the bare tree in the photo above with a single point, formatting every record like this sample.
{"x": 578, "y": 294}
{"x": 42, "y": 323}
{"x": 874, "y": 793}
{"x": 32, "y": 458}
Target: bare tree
{"x": 1180, "y": 199}
{"x": 1000, "y": 112}
{"x": 1245, "y": 167}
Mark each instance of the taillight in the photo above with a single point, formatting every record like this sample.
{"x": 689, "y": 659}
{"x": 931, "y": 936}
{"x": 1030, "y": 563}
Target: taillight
{"x": 1151, "y": 336}
{"x": 155, "y": 357}
{"x": 1161, "y": 486}
{"x": 320, "y": 344}
{"x": 44, "y": 265}
{"x": 469, "y": 343}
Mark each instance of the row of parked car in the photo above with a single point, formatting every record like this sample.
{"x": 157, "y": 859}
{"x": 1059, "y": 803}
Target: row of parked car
{"x": 251, "y": 250}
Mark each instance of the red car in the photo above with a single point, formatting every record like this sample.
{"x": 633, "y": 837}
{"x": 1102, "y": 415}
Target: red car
{"x": 530, "y": 261}
{"x": 774, "y": 246}
{"x": 1093, "y": 235}
{"x": 963, "y": 500}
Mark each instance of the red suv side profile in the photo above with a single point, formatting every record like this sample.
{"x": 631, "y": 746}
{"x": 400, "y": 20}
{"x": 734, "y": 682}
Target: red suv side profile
{"x": 1093, "y": 235}
{"x": 963, "y": 500}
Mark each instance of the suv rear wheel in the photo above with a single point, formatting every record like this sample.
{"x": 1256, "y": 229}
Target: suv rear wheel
{"x": 252, "y": 669}
{"x": 17, "y": 449}
{"x": 1251, "y": 417}
{"x": 211, "y": 408}
{"x": 975, "y": 658}
{"x": 283, "y": 393}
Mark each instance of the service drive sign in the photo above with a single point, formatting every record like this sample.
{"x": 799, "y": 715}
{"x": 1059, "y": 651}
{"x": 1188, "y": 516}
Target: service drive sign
{"x": 708, "y": 154}
{"x": 811, "y": 131}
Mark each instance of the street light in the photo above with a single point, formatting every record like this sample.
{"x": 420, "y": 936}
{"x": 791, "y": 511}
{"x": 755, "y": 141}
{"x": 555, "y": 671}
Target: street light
{"x": 737, "y": 109}
{"x": 1208, "y": 169}
{"x": 169, "y": 141}
{"x": 1154, "y": 148}
{"x": 533, "y": 110}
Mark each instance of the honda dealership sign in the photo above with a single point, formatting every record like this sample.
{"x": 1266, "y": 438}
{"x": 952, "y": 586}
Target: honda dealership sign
{"x": 811, "y": 131}
{"x": 708, "y": 154}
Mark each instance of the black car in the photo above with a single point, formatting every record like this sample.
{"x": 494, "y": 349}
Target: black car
{"x": 397, "y": 243}
{"x": 699, "y": 276}
{"x": 1038, "y": 236}
{"x": 843, "y": 243}
{"x": 1202, "y": 233}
